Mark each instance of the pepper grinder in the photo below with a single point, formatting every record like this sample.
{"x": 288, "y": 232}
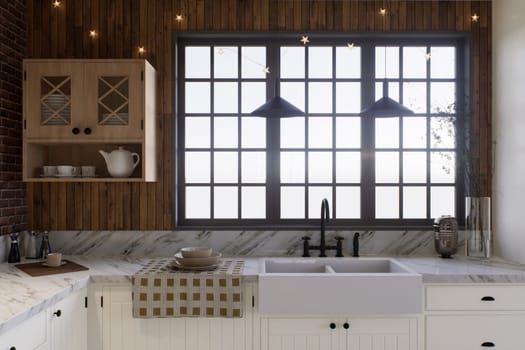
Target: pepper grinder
{"x": 14, "y": 252}
{"x": 32, "y": 246}
{"x": 45, "y": 247}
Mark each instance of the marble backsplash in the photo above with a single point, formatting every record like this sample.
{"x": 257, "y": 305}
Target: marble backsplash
{"x": 233, "y": 243}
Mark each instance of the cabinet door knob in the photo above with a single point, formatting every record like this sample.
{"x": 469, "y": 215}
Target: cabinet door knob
{"x": 488, "y": 344}
{"x": 346, "y": 325}
{"x": 488, "y": 298}
{"x": 87, "y": 131}
{"x": 332, "y": 325}
{"x": 75, "y": 131}
{"x": 57, "y": 313}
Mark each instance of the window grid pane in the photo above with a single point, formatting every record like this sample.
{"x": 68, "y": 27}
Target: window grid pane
{"x": 225, "y": 152}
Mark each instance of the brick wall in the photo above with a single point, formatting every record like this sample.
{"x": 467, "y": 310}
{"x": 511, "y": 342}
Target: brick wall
{"x": 12, "y": 51}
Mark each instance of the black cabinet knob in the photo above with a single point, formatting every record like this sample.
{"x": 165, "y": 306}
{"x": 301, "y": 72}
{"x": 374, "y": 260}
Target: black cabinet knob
{"x": 87, "y": 131}
{"x": 332, "y": 325}
{"x": 488, "y": 344}
{"x": 57, "y": 313}
{"x": 75, "y": 131}
{"x": 346, "y": 325}
{"x": 488, "y": 298}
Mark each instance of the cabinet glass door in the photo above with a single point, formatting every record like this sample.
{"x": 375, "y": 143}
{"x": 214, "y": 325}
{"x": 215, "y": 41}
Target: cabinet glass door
{"x": 51, "y": 99}
{"x": 114, "y": 92}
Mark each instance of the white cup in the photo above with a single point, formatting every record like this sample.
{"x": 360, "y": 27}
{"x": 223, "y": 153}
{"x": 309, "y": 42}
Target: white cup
{"x": 66, "y": 170}
{"x": 49, "y": 170}
{"x": 54, "y": 259}
{"x": 88, "y": 171}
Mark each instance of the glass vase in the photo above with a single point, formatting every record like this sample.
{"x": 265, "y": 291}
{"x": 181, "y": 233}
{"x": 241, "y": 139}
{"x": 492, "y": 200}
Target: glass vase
{"x": 478, "y": 230}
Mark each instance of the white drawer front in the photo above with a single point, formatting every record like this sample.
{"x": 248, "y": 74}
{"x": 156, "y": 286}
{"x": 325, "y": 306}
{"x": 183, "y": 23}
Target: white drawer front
{"x": 29, "y": 335}
{"x": 475, "y": 332}
{"x": 470, "y": 298}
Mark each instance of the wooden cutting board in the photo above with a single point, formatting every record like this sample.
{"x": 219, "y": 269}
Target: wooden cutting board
{"x": 37, "y": 269}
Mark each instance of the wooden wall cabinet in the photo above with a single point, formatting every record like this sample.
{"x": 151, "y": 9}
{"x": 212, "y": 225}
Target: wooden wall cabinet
{"x": 74, "y": 108}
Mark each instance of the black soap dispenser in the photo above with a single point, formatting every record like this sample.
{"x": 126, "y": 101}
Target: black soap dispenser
{"x": 14, "y": 252}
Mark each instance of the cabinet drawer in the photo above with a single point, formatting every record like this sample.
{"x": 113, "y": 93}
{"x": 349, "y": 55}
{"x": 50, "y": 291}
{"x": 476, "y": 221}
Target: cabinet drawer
{"x": 475, "y": 298}
{"x": 475, "y": 332}
{"x": 31, "y": 334}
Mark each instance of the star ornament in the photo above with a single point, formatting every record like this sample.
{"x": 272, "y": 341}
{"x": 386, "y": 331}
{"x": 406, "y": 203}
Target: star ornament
{"x": 266, "y": 70}
{"x": 305, "y": 39}
{"x": 350, "y": 46}
{"x": 220, "y": 51}
{"x": 475, "y": 17}
{"x": 382, "y": 11}
{"x": 427, "y": 56}
{"x": 178, "y": 18}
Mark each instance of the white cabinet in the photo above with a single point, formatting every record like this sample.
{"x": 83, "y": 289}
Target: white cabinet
{"x": 114, "y": 322}
{"x": 62, "y": 326}
{"x": 472, "y": 317}
{"x": 68, "y": 323}
{"x": 359, "y": 333}
{"x": 32, "y": 334}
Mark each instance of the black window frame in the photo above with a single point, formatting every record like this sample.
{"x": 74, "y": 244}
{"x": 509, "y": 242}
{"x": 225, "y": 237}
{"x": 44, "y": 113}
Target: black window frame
{"x": 366, "y": 41}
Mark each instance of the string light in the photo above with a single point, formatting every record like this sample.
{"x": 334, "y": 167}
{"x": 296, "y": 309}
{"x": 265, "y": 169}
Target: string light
{"x": 475, "y": 17}
{"x": 382, "y": 11}
{"x": 350, "y": 46}
{"x": 427, "y": 56}
{"x": 141, "y": 50}
{"x": 179, "y": 18}
{"x": 93, "y": 33}
{"x": 266, "y": 70}
{"x": 56, "y": 3}
{"x": 305, "y": 39}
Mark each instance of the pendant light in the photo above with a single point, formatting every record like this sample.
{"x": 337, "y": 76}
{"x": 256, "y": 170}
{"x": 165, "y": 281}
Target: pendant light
{"x": 277, "y": 107}
{"x": 385, "y": 107}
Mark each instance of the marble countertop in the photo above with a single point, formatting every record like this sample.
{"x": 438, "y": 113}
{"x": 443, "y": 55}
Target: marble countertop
{"x": 22, "y": 296}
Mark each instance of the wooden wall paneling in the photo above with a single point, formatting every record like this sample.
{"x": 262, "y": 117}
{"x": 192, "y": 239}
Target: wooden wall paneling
{"x": 162, "y": 62}
{"x": 427, "y": 16}
{"x": 419, "y": 18}
{"x": 152, "y": 206}
{"x": 53, "y": 206}
{"x": 53, "y": 28}
{"x": 29, "y": 206}
{"x": 103, "y": 205}
{"x": 111, "y": 210}
{"x": 95, "y": 207}
{"x": 70, "y": 207}
{"x": 78, "y": 194}
{"x": 135, "y": 206}
{"x": 87, "y": 207}
{"x": 460, "y": 18}
{"x": 45, "y": 204}
{"x": 143, "y": 207}
{"x": 123, "y": 25}
{"x": 61, "y": 206}
{"x": 451, "y": 15}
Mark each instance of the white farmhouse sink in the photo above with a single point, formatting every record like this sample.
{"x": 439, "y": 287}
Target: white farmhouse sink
{"x": 337, "y": 286}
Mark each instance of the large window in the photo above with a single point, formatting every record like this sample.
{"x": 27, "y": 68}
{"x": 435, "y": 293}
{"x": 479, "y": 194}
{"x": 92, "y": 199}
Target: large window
{"x": 236, "y": 170}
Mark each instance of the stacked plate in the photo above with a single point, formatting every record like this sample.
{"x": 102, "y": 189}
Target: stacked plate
{"x": 194, "y": 259}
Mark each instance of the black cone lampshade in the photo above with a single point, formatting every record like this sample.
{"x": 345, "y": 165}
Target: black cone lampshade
{"x": 386, "y": 107}
{"x": 277, "y": 107}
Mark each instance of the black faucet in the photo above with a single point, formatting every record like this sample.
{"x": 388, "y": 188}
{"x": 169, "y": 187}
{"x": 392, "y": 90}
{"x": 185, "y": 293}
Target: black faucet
{"x": 322, "y": 247}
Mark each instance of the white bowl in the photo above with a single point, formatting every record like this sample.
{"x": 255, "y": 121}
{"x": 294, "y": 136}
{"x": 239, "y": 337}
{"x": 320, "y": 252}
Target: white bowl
{"x": 195, "y": 262}
{"x": 196, "y": 252}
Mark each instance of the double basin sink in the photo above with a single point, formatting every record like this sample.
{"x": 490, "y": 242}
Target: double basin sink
{"x": 338, "y": 286}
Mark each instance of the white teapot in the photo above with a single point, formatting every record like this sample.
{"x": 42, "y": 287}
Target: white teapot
{"x": 120, "y": 162}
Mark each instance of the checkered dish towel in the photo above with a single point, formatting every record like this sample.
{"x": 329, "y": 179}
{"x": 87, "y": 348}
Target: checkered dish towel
{"x": 159, "y": 290}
